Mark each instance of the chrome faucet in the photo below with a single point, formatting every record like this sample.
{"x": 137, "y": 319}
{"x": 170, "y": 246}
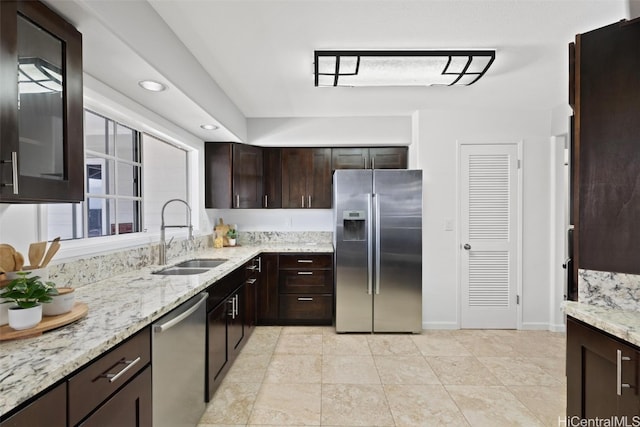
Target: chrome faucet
{"x": 162, "y": 256}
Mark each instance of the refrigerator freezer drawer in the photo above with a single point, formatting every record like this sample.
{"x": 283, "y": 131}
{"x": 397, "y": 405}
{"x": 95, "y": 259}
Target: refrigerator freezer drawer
{"x": 312, "y": 307}
{"x": 306, "y": 281}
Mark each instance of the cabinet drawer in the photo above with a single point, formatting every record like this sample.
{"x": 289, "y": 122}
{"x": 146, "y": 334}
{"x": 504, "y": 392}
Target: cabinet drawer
{"x": 306, "y": 281}
{"x": 305, "y": 261}
{"x": 105, "y": 375}
{"x": 306, "y": 307}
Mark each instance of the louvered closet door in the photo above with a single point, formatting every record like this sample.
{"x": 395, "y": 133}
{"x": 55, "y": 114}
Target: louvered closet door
{"x": 488, "y": 235}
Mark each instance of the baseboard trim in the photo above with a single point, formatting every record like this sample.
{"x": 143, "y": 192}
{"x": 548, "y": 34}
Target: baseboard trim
{"x": 440, "y": 325}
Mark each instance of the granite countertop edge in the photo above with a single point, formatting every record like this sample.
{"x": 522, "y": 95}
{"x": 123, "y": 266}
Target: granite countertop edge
{"x": 117, "y": 309}
{"x": 623, "y": 324}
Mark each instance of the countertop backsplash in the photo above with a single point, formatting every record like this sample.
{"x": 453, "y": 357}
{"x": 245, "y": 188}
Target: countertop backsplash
{"x": 607, "y": 289}
{"x": 78, "y": 273}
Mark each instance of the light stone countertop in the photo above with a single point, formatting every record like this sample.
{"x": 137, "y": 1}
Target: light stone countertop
{"x": 623, "y": 324}
{"x": 118, "y": 307}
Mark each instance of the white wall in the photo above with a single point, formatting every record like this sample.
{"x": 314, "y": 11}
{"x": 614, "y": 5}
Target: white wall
{"x": 319, "y": 131}
{"x": 440, "y": 132}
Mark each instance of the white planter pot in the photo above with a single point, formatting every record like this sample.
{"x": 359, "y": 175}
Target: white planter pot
{"x": 232, "y": 242}
{"x": 24, "y": 318}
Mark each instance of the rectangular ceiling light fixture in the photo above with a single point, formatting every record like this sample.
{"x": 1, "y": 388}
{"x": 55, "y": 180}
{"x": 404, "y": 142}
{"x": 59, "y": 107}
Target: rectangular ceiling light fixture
{"x": 35, "y": 75}
{"x": 401, "y": 67}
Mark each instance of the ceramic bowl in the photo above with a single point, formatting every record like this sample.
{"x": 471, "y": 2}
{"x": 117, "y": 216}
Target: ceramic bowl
{"x": 61, "y": 303}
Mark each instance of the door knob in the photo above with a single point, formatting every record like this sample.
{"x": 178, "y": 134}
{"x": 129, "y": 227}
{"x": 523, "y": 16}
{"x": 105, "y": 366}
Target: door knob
{"x": 467, "y": 246}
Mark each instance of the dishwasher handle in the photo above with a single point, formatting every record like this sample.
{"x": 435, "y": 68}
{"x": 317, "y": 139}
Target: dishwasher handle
{"x": 171, "y": 323}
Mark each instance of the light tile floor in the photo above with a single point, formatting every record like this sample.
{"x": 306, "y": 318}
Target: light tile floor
{"x": 295, "y": 376}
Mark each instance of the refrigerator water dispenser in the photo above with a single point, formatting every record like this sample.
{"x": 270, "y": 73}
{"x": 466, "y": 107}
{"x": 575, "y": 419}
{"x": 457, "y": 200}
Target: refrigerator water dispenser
{"x": 354, "y": 226}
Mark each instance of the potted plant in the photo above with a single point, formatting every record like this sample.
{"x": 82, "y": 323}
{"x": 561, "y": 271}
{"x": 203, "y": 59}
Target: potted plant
{"x": 232, "y": 235}
{"x": 27, "y": 293}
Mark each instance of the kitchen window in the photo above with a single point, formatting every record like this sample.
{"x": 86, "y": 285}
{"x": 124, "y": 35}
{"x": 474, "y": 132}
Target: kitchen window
{"x": 116, "y": 181}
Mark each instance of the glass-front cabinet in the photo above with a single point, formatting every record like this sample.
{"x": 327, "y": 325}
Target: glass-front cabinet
{"x": 41, "y": 115}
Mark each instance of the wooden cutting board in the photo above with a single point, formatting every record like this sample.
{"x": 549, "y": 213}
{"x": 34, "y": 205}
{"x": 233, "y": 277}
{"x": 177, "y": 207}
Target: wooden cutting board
{"x": 78, "y": 311}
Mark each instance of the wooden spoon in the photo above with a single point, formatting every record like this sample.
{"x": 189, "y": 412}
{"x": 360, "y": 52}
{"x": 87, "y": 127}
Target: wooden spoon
{"x": 36, "y": 252}
{"x": 53, "y": 248}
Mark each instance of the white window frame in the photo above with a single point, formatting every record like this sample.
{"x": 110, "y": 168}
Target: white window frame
{"x": 100, "y": 99}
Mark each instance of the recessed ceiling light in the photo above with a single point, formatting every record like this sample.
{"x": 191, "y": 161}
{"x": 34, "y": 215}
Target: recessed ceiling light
{"x": 151, "y": 85}
{"x": 209, "y": 127}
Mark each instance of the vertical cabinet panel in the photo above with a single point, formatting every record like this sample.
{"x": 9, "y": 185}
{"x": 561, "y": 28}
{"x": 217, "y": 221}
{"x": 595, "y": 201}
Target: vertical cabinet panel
{"x": 272, "y": 172}
{"x": 319, "y": 179}
{"x": 267, "y": 304}
{"x": 247, "y": 176}
{"x": 607, "y": 98}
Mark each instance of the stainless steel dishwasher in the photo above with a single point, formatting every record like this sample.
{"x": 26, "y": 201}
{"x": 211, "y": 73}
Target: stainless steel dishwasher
{"x": 178, "y": 364}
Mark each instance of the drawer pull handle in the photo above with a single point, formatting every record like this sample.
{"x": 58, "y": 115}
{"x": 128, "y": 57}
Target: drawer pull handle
{"x": 308, "y": 261}
{"x": 619, "y": 384}
{"x": 305, "y": 299}
{"x": 251, "y": 281}
{"x": 305, "y": 273}
{"x": 128, "y": 365}
{"x": 252, "y": 268}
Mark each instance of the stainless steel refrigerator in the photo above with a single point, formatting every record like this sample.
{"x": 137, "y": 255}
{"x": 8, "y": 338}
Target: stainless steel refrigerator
{"x": 378, "y": 250}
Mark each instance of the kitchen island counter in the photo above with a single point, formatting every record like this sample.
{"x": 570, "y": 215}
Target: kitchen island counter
{"x": 118, "y": 307}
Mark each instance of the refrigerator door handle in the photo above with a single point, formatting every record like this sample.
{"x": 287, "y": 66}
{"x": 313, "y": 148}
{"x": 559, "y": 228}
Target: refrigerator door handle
{"x": 369, "y": 244}
{"x": 376, "y": 213}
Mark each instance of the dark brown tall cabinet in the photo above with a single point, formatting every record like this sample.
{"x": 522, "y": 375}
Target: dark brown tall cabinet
{"x": 606, "y": 101}
{"x": 306, "y": 178}
{"x": 602, "y": 374}
{"x": 369, "y": 158}
{"x": 41, "y": 106}
{"x": 233, "y": 175}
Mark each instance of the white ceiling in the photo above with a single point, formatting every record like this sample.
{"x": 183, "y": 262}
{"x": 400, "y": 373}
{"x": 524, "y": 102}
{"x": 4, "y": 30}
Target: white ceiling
{"x": 260, "y": 52}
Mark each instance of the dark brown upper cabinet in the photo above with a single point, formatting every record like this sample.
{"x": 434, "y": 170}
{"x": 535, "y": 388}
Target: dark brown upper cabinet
{"x": 369, "y": 158}
{"x": 306, "y": 178}
{"x": 41, "y": 121}
{"x": 272, "y": 181}
{"x": 607, "y": 148}
{"x": 233, "y": 175}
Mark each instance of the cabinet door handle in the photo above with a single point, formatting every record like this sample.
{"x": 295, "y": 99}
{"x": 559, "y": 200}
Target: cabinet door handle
{"x": 619, "y": 384}
{"x": 128, "y": 365}
{"x": 251, "y": 281}
{"x": 252, "y": 268}
{"x": 309, "y": 205}
{"x": 305, "y": 273}
{"x": 305, "y": 260}
{"x": 233, "y": 307}
{"x": 266, "y": 201}
{"x": 302, "y": 201}
{"x": 373, "y": 162}
{"x": 237, "y": 200}
{"x": 364, "y": 162}
{"x": 259, "y": 261}
{"x": 14, "y": 171}
{"x": 305, "y": 299}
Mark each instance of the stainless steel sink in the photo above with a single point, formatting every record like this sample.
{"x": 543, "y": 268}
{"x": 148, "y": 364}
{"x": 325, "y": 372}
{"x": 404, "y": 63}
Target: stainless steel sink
{"x": 173, "y": 271}
{"x": 202, "y": 263}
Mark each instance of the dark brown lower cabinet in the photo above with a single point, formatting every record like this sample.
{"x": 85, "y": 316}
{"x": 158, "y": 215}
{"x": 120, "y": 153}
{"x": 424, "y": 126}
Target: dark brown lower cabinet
{"x": 49, "y": 410}
{"x": 227, "y": 326}
{"x": 129, "y": 407}
{"x": 602, "y": 374}
{"x": 267, "y": 290}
